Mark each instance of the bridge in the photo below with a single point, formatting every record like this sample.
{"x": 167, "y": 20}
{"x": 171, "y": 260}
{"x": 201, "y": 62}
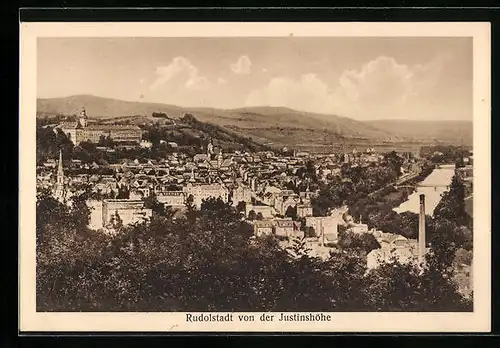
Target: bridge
{"x": 421, "y": 185}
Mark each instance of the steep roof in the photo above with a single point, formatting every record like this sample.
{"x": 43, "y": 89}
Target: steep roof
{"x": 263, "y": 223}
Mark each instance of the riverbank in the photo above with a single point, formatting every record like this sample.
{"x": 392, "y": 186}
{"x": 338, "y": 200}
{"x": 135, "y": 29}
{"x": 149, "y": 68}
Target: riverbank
{"x": 433, "y": 186}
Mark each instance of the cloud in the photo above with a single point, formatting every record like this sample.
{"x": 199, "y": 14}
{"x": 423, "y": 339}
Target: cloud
{"x": 380, "y": 88}
{"x": 307, "y": 93}
{"x": 378, "y": 80}
{"x": 264, "y": 70}
{"x": 243, "y": 66}
{"x": 180, "y": 67}
{"x": 221, "y": 81}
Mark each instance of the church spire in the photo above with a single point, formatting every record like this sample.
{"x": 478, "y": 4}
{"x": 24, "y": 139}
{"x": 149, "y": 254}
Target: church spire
{"x": 59, "y": 189}
{"x": 60, "y": 171}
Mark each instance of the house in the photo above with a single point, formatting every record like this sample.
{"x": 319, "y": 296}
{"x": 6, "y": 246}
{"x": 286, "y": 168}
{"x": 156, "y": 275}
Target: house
{"x": 262, "y": 227}
{"x": 392, "y": 246}
{"x": 324, "y": 225}
{"x": 146, "y": 144}
{"x": 282, "y": 203}
{"x": 171, "y": 198}
{"x": 265, "y": 210}
{"x": 126, "y": 210}
{"x": 286, "y": 228}
{"x": 304, "y": 210}
{"x": 204, "y": 191}
{"x": 359, "y": 228}
{"x": 241, "y": 194}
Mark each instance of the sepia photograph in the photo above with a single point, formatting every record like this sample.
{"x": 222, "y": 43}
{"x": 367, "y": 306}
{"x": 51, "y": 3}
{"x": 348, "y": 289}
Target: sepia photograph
{"x": 255, "y": 182}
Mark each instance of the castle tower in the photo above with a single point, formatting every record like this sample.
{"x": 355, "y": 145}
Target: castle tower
{"x": 421, "y": 230}
{"x": 83, "y": 118}
{"x": 59, "y": 189}
{"x": 210, "y": 148}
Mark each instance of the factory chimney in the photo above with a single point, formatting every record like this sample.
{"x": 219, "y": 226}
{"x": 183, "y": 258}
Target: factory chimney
{"x": 421, "y": 230}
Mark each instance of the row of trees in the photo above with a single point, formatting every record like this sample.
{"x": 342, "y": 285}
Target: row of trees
{"x": 354, "y": 184}
{"x": 444, "y": 153}
{"x": 205, "y": 260}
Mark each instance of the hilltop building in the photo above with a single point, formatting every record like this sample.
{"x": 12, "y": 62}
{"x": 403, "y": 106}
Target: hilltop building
{"x": 81, "y": 130}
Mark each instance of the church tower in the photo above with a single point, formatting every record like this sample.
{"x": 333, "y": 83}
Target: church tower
{"x": 83, "y": 118}
{"x": 59, "y": 189}
{"x": 192, "y": 179}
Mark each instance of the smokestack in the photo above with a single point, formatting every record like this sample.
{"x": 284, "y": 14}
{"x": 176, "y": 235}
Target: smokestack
{"x": 421, "y": 230}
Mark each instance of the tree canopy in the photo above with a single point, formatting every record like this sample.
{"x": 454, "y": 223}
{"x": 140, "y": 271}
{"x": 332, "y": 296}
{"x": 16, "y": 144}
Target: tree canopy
{"x": 206, "y": 261}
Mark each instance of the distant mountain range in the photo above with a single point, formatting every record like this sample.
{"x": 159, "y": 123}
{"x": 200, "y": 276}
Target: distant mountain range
{"x": 265, "y": 124}
{"x": 445, "y": 131}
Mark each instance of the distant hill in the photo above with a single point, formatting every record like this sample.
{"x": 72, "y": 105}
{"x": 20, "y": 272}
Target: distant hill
{"x": 271, "y": 125}
{"x": 98, "y": 107}
{"x": 444, "y": 131}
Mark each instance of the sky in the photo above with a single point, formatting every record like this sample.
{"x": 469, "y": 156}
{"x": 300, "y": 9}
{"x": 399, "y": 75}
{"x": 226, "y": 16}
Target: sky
{"x": 361, "y": 78}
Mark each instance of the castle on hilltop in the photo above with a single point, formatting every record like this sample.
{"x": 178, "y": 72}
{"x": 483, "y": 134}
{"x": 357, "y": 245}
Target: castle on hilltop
{"x": 80, "y": 130}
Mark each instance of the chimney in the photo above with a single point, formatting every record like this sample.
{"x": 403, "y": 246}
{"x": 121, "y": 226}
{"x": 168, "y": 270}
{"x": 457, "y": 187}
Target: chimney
{"x": 421, "y": 230}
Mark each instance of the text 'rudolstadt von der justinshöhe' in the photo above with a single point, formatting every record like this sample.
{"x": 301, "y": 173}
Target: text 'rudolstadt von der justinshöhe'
{"x": 265, "y": 317}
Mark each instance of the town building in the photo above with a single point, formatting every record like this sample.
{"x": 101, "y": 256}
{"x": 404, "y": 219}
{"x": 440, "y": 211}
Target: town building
{"x": 171, "y": 198}
{"x": 262, "y": 227}
{"x": 241, "y": 193}
{"x": 358, "y": 228}
{"x": 205, "y": 191}
{"x": 304, "y": 210}
{"x": 392, "y": 246}
{"x": 129, "y": 211}
{"x": 266, "y": 210}
{"x": 104, "y": 214}
{"x": 325, "y": 227}
{"x": 286, "y": 228}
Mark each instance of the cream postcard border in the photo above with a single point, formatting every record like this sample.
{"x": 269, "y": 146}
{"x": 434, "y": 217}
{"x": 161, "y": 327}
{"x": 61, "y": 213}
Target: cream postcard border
{"x": 477, "y": 321}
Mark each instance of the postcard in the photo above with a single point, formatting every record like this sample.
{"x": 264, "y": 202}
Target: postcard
{"x": 255, "y": 177}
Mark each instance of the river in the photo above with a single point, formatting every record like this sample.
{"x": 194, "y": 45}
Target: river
{"x": 441, "y": 177}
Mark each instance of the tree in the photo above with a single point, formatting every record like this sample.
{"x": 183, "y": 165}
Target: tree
{"x": 404, "y": 287}
{"x": 151, "y": 202}
{"x": 365, "y": 242}
{"x": 291, "y": 212}
{"x": 252, "y": 215}
{"x": 102, "y": 140}
{"x": 463, "y": 257}
{"x": 123, "y": 192}
{"x": 394, "y": 161}
{"x": 241, "y": 206}
{"x": 310, "y": 232}
{"x": 207, "y": 261}
{"x": 109, "y": 142}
